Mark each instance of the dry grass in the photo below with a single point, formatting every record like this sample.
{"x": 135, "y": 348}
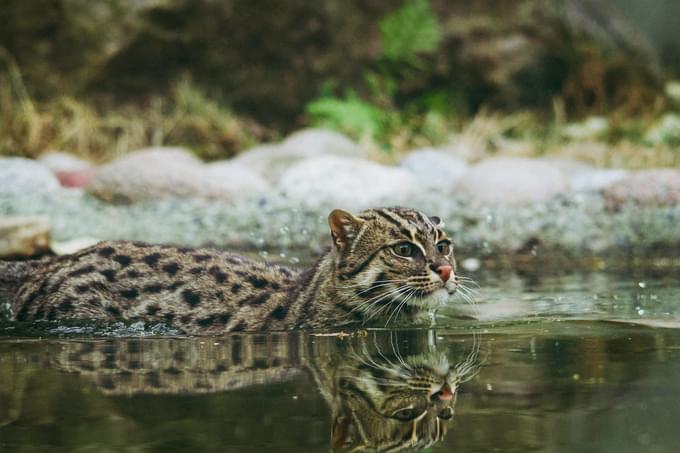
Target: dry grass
{"x": 188, "y": 118}
{"x": 185, "y": 118}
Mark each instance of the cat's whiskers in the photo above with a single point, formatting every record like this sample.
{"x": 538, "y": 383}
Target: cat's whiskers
{"x": 370, "y": 305}
{"x": 398, "y": 308}
{"x": 380, "y": 308}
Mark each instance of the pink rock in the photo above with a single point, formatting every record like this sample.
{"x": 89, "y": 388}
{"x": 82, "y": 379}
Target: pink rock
{"x": 657, "y": 187}
{"x": 75, "y": 178}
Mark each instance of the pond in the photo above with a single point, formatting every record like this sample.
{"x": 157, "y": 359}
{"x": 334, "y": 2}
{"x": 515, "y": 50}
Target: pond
{"x": 544, "y": 361}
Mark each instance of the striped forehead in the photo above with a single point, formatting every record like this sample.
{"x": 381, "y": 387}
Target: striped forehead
{"x": 409, "y": 223}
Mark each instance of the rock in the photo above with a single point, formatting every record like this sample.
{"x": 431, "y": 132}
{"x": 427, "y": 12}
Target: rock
{"x": 350, "y": 183}
{"x": 76, "y": 178}
{"x": 272, "y": 160}
{"x": 157, "y": 173}
{"x": 649, "y": 188}
{"x": 512, "y": 181}
{"x": 24, "y": 236}
{"x": 596, "y": 179}
{"x": 71, "y": 171}
{"x": 168, "y": 173}
{"x": 583, "y": 177}
{"x": 435, "y": 169}
{"x": 19, "y": 175}
{"x": 72, "y": 246}
{"x": 236, "y": 179}
{"x": 60, "y": 161}
{"x": 150, "y": 173}
{"x": 315, "y": 142}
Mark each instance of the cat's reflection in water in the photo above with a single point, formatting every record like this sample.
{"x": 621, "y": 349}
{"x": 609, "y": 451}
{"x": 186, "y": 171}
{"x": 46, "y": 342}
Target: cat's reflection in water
{"x": 387, "y": 391}
{"x": 384, "y": 400}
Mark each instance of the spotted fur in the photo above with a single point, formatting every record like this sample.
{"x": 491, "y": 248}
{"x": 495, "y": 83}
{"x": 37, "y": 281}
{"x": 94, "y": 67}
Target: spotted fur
{"x": 363, "y": 278}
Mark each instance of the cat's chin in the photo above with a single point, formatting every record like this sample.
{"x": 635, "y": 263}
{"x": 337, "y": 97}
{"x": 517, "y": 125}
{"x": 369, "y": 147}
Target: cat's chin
{"x": 433, "y": 300}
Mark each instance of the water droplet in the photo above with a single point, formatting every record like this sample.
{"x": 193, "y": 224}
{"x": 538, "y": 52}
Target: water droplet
{"x": 576, "y": 376}
{"x": 284, "y": 230}
{"x": 640, "y": 311}
{"x": 294, "y": 260}
{"x": 642, "y": 284}
{"x": 282, "y": 255}
{"x": 489, "y": 387}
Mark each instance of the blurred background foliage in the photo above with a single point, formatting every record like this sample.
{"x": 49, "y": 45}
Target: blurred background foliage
{"x": 101, "y": 78}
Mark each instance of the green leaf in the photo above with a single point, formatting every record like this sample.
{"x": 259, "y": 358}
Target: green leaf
{"x": 411, "y": 30}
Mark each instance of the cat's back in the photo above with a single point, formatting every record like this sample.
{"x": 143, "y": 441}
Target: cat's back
{"x": 194, "y": 288}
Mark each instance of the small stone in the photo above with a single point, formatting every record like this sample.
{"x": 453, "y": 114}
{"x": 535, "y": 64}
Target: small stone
{"x": 61, "y": 161}
{"x": 71, "y": 171}
{"x": 471, "y": 264}
{"x": 346, "y": 182}
{"x": 19, "y": 175}
{"x": 72, "y": 246}
{"x": 24, "y": 236}
{"x": 435, "y": 169}
{"x": 512, "y": 181}
{"x": 236, "y": 179}
{"x": 157, "y": 173}
{"x": 272, "y": 160}
{"x": 649, "y": 188}
{"x": 596, "y": 179}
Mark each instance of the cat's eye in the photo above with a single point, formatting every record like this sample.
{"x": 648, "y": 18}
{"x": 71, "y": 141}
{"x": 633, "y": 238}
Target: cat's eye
{"x": 407, "y": 414}
{"x": 444, "y": 247}
{"x": 446, "y": 413}
{"x": 404, "y": 249}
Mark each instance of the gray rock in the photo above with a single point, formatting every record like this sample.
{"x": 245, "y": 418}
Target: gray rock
{"x": 658, "y": 187}
{"x": 272, "y": 160}
{"x": 19, "y": 175}
{"x": 24, "y": 236}
{"x": 315, "y": 142}
{"x": 512, "y": 181}
{"x": 435, "y": 169}
{"x": 59, "y": 161}
{"x": 236, "y": 179}
{"x": 350, "y": 183}
{"x": 596, "y": 179}
{"x": 156, "y": 173}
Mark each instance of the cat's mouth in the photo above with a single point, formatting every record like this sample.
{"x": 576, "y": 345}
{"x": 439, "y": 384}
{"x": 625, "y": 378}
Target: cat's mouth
{"x": 432, "y": 298}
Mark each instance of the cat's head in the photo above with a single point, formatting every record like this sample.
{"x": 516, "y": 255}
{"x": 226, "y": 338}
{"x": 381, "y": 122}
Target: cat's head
{"x": 392, "y": 259}
{"x": 394, "y": 406}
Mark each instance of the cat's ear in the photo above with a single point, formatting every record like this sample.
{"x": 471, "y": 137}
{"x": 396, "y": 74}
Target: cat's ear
{"x": 437, "y": 221}
{"x": 344, "y": 227}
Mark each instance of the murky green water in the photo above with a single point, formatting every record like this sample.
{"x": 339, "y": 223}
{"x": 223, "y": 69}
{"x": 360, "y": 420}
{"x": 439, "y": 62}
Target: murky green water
{"x": 575, "y": 362}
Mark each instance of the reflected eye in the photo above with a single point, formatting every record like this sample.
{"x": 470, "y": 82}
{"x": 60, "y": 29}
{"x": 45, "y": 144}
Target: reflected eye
{"x": 407, "y": 414}
{"x": 444, "y": 247}
{"x": 445, "y": 414}
{"x": 404, "y": 249}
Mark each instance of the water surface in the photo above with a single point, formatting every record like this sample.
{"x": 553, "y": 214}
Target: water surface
{"x": 573, "y": 362}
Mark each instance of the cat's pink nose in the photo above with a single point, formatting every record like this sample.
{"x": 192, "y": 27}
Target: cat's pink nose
{"x": 445, "y": 393}
{"x": 445, "y": 272}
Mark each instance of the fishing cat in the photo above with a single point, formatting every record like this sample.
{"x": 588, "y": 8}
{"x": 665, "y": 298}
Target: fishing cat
{"x": 384, "y": 263}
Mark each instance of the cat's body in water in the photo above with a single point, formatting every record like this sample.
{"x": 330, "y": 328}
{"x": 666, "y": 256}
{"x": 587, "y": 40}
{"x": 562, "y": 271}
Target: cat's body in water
{"x": 384, "y": 263}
